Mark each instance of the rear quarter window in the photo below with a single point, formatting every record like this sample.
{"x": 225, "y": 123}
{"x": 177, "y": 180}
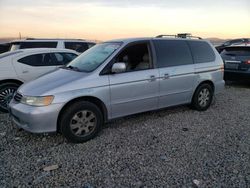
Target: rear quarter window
{"x": 172, "y": 53}
{"x": 202, "y": 52}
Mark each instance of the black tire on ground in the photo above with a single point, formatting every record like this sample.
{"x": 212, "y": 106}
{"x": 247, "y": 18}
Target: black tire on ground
{"x": 7, "y": 91}
{"x": 83, "y": 118}
{"x": 202, "y": 97}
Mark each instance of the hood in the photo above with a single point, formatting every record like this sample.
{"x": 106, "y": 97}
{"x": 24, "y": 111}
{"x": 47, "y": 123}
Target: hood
{"x": 50, "y": 82}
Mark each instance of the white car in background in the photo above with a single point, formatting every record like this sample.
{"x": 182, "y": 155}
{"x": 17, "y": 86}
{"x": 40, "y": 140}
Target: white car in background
{"x": 19, "y": 66}
{"x": 78, "y": 45}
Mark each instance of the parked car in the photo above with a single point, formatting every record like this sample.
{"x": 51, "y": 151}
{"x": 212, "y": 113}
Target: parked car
{"x": 118, "y": 78}
{"x": 4, "y": 47}
{"x": 232, "y": 42}
{"x": 17, "y": 67}
{"x": 78, "y": 45}
{"x": 237, "y": 62}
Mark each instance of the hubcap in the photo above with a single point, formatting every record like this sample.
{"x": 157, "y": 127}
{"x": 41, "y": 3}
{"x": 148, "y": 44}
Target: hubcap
{"x": 83, "y": 123}
{"x": 5, "y": 97}
{"x": 204, "y": 97}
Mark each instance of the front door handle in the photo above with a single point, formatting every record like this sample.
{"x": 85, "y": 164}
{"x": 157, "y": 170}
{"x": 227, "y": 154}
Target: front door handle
{"x": 166, "y": 76}
{"x": 152, "y": 78}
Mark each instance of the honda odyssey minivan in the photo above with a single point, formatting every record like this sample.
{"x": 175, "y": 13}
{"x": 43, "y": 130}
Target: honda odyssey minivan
{"x": 118, "y": 78}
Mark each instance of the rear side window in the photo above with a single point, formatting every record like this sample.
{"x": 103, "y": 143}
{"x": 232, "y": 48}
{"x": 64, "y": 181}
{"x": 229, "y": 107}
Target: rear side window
{"x": 77, "y": 46}
{"x": 201, "y": 51}
{"x": 91, "y": 45}
{"x": 236, "y": 51}
{"x": 64, "y": 58}
{"x": 46, "y": 59}
{"x": 24, "y": 45}
{"x": 172, "y": 53}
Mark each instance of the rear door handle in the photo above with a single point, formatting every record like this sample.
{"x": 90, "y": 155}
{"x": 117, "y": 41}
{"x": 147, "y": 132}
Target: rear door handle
{"x": 152, "y": 78}
{"x": 166, "y": 76}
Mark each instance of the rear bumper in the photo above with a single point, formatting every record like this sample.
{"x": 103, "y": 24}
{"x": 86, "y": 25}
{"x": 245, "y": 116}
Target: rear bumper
{"x": 219, "y": 86}
{"x": 237, "y": 75}
{"x": 35, "y": 119}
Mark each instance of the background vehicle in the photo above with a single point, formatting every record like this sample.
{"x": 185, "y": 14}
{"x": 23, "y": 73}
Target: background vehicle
{"x": 73, "y": 44}
{"x": 232, "y": 42}
{"x": 237, "y": 62}
{"x": 17, "y": 67}
{"x": 4, "y": 47}
{"x": 118, "y": 78}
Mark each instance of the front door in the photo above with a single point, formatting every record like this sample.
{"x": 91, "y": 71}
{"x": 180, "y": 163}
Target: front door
{"x": 33, "y": 66}
{"x": 136, "y": 89}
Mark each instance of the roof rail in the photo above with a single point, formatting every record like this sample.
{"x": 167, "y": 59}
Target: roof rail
{"x": 180, "y": 35}
{"x": 52, "y": 39}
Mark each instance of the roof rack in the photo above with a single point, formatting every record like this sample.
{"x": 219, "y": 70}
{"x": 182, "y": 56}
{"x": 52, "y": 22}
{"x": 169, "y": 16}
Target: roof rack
{"x": 180, "y": 35}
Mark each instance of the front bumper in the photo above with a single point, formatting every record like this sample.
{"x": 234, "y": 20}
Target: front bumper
{"x": 35, "y": 119}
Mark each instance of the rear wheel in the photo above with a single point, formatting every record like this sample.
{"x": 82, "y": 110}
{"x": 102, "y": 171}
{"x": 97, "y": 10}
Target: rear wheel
{"x": 203, "y": 97}
{"x": 81, "y": 121}
{"x": 7, "y": 91}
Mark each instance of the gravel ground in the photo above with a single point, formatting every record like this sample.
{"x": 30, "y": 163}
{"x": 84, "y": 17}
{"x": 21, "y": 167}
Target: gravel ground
{"x": 175, "y": 147}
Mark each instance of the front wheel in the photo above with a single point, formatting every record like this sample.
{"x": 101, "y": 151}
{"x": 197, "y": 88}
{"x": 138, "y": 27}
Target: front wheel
{"x": 7, "y": 91}
{"x": 81, "y": 121}
{"x": 203, "y": 97}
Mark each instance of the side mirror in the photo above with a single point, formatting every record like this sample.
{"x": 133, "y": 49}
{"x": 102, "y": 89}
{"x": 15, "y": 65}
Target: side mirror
{"x": 118, "y": 67}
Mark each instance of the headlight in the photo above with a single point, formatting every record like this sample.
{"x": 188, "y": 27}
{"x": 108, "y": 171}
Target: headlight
{"x": 37, "y": 101}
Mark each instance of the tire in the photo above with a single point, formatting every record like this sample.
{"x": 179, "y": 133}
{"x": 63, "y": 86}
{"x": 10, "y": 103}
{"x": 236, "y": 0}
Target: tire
{"x": 202, "y": 97}
{"x": 81, "y": 121}
{"x": 7, "y": 91}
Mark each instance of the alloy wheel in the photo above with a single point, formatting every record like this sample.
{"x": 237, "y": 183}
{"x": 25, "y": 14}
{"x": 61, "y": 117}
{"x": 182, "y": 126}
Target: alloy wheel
{"x": 204, "y": 97}
{"x": 83, "y": 123}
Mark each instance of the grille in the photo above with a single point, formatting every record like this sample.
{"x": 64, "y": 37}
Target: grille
{"x": 18, "y": 97}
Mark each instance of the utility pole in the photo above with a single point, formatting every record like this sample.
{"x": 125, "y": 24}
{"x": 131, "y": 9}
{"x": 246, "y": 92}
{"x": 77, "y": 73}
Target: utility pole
{"x": 20, "y": 36}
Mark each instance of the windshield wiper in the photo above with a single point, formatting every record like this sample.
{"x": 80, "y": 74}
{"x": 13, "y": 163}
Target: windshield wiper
{"x": 72, "y": 68}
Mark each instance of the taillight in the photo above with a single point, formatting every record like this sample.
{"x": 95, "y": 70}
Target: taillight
{"x": 222, "y": 68}
{"x": 247, "y": 62}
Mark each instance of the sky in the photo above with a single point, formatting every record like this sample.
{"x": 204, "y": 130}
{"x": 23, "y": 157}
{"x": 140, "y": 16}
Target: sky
{"x": 109, "y": 19}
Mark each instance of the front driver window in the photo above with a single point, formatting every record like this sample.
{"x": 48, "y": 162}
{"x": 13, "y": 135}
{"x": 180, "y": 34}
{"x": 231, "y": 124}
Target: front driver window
{"x": 136, "y": 57}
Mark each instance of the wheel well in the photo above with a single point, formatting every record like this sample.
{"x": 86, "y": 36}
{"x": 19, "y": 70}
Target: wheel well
{"x": 204, "y": 82}
{"x": 207, "y": 82}
{"x": 11, "y": 81}
{"x": 93, "y": 100}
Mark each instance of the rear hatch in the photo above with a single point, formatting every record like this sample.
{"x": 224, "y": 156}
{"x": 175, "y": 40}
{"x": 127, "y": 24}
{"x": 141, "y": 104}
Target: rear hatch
{"x": 236, "y": 58}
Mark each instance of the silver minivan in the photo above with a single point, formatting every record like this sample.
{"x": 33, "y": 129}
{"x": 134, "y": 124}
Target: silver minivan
{"x": 118, "y": 78}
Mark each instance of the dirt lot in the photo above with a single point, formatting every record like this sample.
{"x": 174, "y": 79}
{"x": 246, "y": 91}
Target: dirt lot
{"x": 169, "y": 148}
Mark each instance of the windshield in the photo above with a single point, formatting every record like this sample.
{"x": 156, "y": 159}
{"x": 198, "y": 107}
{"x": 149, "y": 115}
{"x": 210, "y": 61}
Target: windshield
{"x": 94, "y": 57}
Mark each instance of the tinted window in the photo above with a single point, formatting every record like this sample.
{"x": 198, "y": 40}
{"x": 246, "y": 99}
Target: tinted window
{"x": 201, "y": 51}
{"x": 47, "y": 59}
{"x": 91, "y": 44}
{"x": 37, "y": 45}
{"x": 64, "y": 58}
{"x": 172, "y": 53}
{"x": 236, "y": 51}
{"x": 77, "y": 46}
